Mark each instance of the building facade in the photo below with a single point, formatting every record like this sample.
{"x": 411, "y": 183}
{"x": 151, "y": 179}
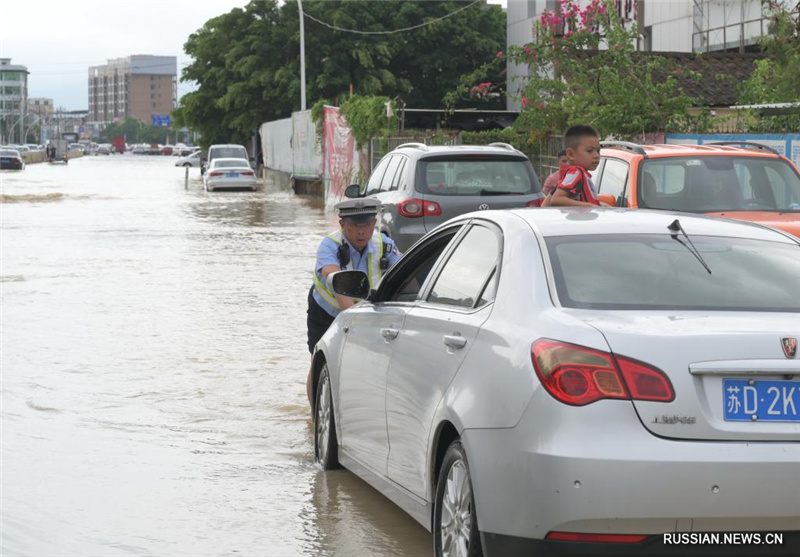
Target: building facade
{"x": 663, "y": 26}
{"x": 13, "y": 101}
{"x": 140, "y": 86}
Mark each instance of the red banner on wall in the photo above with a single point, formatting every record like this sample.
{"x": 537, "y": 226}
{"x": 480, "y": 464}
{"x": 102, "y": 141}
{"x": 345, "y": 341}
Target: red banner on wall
{"x": 338, "y": 155}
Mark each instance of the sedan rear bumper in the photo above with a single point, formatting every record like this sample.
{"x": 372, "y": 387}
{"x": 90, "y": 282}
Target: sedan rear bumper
{"x": 653, "y": 546}
{"x": 596, "y": 469}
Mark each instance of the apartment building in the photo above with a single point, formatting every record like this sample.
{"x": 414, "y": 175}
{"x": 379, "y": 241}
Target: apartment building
{"x": 140, "y": 86}
{"x": 13, "y": 101}
{"x": 663, "y": 26}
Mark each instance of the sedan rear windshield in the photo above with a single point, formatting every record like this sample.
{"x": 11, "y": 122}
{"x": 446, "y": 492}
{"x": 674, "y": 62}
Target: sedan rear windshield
{"x": 239, "y": 163}
{"x": 715, "y": 184}
{"x": 660, "y": 272}
{"x": 454, "y": 175}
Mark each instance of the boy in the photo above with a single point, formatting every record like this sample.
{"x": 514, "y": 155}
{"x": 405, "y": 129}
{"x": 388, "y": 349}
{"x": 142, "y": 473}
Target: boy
{"x": 583, "y": 150}
{"x": 551, "y": 182}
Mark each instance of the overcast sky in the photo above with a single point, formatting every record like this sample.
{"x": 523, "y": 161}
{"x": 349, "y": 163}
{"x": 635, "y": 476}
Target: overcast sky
{"x": 58, "y": 40}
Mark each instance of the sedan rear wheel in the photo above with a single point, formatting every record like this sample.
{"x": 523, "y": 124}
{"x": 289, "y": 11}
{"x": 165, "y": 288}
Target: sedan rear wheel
{"x": 455, "y": 531}
{"x": 325, "y": 446}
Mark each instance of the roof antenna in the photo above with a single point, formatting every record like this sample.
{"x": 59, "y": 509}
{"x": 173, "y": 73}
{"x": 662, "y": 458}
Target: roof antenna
{"x": 676, "y": 227}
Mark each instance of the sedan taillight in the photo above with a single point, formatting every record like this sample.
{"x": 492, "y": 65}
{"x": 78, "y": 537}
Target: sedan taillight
{"x": 211, "y": 174}
{"x": 247, "y": 173}
{"x": 414, "y": 208}
{"x": 535, "y": 202}
{"x": 578, "y": 375}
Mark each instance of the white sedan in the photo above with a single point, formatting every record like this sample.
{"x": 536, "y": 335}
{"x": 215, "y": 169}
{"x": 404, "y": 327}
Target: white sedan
{"x": 230, "y": 174}
{"x": 190, "y": 160}
{"x": 535, "y": 381}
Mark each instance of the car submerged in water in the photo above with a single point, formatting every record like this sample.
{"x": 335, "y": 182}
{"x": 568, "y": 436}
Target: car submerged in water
{"x": 564, "y": 381}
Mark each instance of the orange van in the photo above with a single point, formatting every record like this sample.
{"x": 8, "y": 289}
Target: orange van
{"x": 732, "y": 179}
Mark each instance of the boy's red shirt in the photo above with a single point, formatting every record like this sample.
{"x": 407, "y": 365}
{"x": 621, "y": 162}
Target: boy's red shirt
{"x": 575, "y": 180}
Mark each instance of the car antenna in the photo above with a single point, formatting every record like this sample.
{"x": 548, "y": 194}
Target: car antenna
{"x": 676, "y": 227}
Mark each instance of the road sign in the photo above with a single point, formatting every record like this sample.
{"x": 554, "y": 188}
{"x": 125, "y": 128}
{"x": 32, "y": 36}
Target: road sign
{"x": 160, "y": 120}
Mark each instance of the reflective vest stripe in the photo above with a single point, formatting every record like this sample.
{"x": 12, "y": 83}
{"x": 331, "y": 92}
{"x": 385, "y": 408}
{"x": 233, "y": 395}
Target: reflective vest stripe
{"x": 373, "y": 267}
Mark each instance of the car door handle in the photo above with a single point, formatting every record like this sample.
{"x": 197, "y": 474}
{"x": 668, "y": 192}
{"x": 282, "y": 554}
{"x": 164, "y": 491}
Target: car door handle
{"x": 389, "y": 334}
{"x": 454, "y": 341}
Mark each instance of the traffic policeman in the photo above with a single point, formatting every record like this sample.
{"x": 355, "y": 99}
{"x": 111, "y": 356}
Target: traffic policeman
{"x": 355, "y": 246}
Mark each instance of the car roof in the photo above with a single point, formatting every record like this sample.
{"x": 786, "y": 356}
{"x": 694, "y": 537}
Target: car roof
{"x": 576, "y": 221}
{"x": 418, "y": 150}
{"x": 684, "y": 150}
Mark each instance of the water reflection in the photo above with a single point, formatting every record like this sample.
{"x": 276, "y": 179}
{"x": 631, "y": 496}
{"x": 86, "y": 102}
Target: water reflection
{"x": 154, "y": 362}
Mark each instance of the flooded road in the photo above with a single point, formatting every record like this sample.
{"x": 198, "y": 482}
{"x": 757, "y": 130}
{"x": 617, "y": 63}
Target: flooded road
{"x": 153, "y": 372}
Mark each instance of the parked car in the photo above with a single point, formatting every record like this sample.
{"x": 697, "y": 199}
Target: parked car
{"x": 11, "y": 159}
{"x": 736, "y": 180}
{"x": 103, "y": 149}
{"x": 191, "y": 160}
{"x": 573, "y": 379}
{"x": 421, "y": 187}
{"x": 224, "y": 151}
{"x": 229, "y": 174}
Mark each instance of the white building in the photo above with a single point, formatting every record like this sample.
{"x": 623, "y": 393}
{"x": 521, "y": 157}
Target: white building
{"x": 663, "y": 26}
{"x": 13, "y": 101}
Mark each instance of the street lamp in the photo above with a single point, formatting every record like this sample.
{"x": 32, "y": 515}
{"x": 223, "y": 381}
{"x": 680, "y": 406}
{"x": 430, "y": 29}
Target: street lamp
{"x": 302, "y": 57}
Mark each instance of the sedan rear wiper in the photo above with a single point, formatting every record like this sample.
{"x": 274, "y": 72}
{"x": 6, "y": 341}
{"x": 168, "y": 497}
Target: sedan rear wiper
{"x": 676, "y": 227}
{"x": 496, "y": 192}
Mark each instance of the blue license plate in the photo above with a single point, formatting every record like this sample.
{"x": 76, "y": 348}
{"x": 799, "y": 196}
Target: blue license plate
{"x": 746, "y": 400}
{"x": 231, "y": 174}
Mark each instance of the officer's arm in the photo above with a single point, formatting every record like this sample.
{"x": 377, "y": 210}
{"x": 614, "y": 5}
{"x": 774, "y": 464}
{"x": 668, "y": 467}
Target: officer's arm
{"x": 344, "y": 302}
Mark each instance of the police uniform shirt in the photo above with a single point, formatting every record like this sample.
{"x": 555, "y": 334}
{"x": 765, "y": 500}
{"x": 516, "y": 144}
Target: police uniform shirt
{"x": 327, "y": 254}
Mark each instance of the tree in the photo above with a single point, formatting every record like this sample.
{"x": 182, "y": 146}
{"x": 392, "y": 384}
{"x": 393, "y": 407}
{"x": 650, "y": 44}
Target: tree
{"x": 247, "y": 62}
{"x": 135, "y": 131}
{"x": 584, "y": 69}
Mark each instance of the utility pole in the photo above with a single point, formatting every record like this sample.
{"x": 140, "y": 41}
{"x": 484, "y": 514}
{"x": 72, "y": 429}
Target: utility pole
{"x": 302, "y": 57}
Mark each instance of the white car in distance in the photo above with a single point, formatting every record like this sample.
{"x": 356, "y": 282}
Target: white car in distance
{"x": 229, "y": 174}
{"x": 190, "y": 160}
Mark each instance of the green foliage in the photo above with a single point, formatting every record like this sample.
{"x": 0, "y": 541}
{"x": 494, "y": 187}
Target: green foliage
{"x": 135, "y": 131}
{"x": 246, "y": 63}
{"x": 776, "y": 79}
{"x": 367, "y": 118}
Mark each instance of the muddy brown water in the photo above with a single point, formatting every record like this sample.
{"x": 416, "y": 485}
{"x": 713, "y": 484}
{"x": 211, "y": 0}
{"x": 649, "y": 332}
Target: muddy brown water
{"x": 153, "y": 372}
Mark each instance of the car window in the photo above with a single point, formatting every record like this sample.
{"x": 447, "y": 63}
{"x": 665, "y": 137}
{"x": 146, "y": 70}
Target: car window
{"x": 406, "y": 280}
{"x": 659, "y": 272}
{"x": 614, "y": 178}
{"x": 466, "y": 273}
{"x": 454, "y": 175}
{"x": 399, "y": 177}
{"x": 230, "y": 164}
{"x": 374, "y": 183}
{"x": 391, "y": 170}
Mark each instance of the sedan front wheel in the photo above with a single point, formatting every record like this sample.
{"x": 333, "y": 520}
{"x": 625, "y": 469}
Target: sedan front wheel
{"x": 325, "y": 446}
{"x": 455, "y": 525}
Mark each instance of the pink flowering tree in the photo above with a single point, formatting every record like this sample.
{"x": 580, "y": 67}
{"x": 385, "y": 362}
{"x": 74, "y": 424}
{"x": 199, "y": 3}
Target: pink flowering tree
{"x": 584, "y": 68}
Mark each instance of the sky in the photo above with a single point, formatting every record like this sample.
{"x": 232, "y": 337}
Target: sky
{"x": 58, "y": 40}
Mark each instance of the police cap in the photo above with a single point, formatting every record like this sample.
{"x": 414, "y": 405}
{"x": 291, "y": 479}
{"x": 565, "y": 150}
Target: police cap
{"x": 358, "y": 211}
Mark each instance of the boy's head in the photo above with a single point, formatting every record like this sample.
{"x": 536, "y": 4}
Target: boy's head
{"x": 583, "y": 146}
{"x": 563, "y": 159}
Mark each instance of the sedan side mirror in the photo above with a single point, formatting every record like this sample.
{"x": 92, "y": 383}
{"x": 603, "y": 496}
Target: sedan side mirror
{"x": 353, "y": 284}
{"x": 352, "y": 191}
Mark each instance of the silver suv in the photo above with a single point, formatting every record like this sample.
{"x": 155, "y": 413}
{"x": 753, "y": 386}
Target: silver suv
{"x": 421, "y": 186}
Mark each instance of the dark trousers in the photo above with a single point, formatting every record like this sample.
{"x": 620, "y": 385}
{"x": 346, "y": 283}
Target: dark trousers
{"x": 318, "y": 321}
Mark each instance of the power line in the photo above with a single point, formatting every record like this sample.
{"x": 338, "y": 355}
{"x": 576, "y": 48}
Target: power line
{"x": 335, "y": 28}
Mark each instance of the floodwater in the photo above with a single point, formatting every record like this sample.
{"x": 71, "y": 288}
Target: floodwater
{"x": 153, "y": 372}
